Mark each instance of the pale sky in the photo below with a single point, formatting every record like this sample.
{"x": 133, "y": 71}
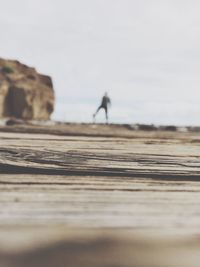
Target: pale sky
{"x": 145, "y": 53}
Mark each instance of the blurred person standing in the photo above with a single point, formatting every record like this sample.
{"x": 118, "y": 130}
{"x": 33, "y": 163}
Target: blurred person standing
{"x": 105, "y": 104}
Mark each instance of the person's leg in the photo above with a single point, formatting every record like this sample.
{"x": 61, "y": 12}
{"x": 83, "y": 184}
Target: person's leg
{"x": 94, "y": 115}
{"x": 106, "y": 111}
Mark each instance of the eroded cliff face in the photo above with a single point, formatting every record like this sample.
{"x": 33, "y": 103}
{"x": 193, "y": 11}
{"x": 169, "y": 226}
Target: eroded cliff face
{"x": 24, "y": 93}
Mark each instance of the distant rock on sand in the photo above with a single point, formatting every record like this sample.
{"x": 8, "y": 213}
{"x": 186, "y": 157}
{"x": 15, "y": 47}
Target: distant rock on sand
{"x": 24, "y": 93}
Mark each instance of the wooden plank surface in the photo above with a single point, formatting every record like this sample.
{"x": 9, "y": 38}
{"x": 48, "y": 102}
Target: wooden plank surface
{"x": 46, "y": 246}
{"x": 76, "y": 187}
{"x": 156, "y": 156}
{"x": 99, "y": 202}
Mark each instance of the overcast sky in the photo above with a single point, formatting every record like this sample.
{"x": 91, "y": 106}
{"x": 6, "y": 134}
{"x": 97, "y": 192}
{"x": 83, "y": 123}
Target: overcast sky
{"x": 145, "y": 53}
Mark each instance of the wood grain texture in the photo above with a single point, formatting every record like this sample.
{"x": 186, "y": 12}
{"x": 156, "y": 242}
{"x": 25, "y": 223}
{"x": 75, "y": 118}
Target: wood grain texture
{"x": 56, "y": 185}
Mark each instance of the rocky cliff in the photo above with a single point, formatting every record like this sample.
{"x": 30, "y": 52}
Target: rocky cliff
{"x": 24, "y": 93}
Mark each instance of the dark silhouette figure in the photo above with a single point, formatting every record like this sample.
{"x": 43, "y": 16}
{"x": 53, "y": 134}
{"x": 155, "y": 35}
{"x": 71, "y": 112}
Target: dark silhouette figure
{"x": 105, "y": 103}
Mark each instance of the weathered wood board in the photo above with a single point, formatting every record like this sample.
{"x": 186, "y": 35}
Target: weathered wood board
{"x": 99, "y": 200}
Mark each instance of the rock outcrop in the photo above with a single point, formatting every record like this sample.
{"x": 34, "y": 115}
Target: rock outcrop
{"x": 24, "y": 93}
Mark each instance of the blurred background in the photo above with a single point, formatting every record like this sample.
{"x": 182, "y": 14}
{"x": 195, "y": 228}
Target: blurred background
{"x": 145, "y": 54}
